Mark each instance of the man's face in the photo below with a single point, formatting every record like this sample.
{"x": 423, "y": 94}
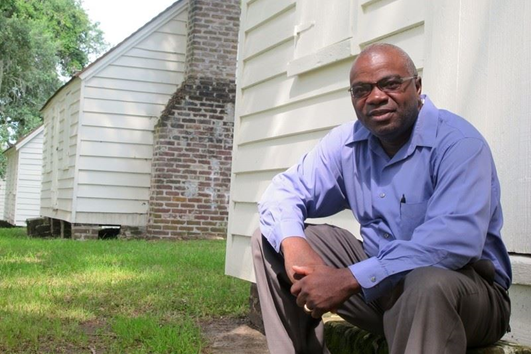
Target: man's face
{"x": 388, "y": 115}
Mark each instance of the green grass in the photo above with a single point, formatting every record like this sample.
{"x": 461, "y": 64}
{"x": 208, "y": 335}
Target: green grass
{"x": 64, "y": 296}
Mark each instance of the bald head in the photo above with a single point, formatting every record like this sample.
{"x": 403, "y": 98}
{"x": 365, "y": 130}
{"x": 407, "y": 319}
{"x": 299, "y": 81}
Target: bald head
{"x": 386, "y": 94}
{"x": 387, "y": 49}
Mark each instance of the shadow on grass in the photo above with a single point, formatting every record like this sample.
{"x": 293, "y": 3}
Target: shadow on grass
{"x": 113, "y": 296}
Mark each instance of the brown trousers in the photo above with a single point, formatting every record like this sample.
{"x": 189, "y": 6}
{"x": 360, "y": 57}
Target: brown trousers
{"x": 432, "y": 310}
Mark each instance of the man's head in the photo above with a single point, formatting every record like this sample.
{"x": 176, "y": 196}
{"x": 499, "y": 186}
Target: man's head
{"x": 388, "y": 107}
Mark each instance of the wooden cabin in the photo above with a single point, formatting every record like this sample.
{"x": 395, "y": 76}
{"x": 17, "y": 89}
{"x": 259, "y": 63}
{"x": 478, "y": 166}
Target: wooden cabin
{"x": 113, "y": 132}
{"x": 22, "y": 186}
{"x": 99, "y": 126}
{"x": 2, "y": 197}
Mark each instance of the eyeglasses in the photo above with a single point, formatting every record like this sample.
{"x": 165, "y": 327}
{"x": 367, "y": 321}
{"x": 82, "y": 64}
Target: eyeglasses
{"x": 387, "y": 84}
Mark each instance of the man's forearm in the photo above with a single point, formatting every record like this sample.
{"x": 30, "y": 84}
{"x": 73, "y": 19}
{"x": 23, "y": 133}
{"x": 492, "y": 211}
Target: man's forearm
{"x": 298, "y": 252}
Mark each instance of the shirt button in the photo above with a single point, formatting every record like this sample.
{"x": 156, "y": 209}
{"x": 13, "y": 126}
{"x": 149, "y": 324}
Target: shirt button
{"x": 382, "y": 195}
{"x": 386, "y": 235}
{"x": 373, "y": 279}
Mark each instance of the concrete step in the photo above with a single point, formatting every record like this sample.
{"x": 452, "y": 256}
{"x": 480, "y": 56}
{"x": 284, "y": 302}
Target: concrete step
{"x": 343, "y": 338}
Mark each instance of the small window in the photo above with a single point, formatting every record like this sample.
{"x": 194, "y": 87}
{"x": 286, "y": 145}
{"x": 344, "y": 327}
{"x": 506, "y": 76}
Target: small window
{"x": 321, "y": 24}
{"x": 323, "y": 34}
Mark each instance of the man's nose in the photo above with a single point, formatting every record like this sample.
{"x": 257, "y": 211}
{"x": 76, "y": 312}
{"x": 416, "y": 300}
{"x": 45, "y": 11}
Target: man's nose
{"x": 376, "y": 96}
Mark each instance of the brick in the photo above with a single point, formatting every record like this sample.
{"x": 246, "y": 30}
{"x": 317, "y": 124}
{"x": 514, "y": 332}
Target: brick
{"x": 196, "y": 130}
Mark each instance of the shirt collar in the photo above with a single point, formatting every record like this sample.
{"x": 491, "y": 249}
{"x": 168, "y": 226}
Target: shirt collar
{"x": 424, "y": 133}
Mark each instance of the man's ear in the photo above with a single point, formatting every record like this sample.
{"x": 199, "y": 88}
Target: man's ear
{"x": 418, "y": 85}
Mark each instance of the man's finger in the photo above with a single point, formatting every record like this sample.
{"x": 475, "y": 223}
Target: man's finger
{"x": 302, "y": 270}
{"x": 296, "y": 289}
{"x": 302, "y": 300}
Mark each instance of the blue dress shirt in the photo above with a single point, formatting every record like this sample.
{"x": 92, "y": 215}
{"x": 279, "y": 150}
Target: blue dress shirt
{"x": 435, "y": 203}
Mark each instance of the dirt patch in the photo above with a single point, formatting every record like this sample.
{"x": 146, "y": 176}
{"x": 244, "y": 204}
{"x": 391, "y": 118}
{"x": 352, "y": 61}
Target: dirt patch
{"x": 232, "y": 336}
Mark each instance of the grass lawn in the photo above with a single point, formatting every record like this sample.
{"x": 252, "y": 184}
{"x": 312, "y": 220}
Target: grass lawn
{"x": 64, "y": 296}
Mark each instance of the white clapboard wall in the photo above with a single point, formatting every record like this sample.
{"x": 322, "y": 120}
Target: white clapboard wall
{"x": 23, "y": 178}
{"x": 2, "y": 198}
{"x": 99, "y": 127}
{"x": 294, "y": 60}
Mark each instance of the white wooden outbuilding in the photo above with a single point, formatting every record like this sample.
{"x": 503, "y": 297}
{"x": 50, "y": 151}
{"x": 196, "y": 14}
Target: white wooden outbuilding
{"x": 99, "y": 126}
{"x": 23, "y": 178}
{"x": 2, "y": 198}
{"x": 294, "y": 61}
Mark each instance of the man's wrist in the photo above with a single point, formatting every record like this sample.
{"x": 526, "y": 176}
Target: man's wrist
{"x": 351, "y": 282}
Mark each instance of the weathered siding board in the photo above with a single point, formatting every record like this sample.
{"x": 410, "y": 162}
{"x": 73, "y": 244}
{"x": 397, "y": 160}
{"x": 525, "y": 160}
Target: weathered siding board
{"x": 381, "y": 19}
{"x": 293, "y": 118}
{"x": 118, "y": 192}
{"x": 321, "y": 25}
{"x": 171, "y": 64}
{"x": 102, "y": 93}
{"x": 269, "y": 34}
{"x": 115, "y": 135}
{"x": 139, "y": 74}
{"x": 116, "y": 149}
{"x": 94, "y": 205}
{"x": 260, "y": 11}
{"x": 135, "y": 86}
{"x": 267, "y": 65}
{"x": 118, "y": 121}
{"x": 164, "y": 42}
{"x": 252, "y": 185}
{"x": 93, "y": 163}
{"x": 113, "y": 178}
{"x": 275, "y": 154}
{"x": 176, "y": 26}
{"x": 281, "y": 90}
{"x": 111, "y": 218}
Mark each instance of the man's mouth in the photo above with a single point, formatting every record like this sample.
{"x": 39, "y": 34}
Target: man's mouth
{"x": 380, "y": 114}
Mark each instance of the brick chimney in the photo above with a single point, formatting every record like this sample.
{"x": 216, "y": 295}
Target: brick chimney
{"x": 192, "y": 151}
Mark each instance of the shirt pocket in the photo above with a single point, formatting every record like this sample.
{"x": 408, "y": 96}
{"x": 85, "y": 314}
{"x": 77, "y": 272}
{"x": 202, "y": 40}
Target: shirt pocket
{"x": 411, "y": 216}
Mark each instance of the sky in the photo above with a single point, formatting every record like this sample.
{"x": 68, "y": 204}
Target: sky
{"x": 120, "y": 18}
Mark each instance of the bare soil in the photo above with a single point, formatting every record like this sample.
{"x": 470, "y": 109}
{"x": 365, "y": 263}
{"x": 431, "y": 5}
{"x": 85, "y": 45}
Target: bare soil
{"x": 232, "y": 336}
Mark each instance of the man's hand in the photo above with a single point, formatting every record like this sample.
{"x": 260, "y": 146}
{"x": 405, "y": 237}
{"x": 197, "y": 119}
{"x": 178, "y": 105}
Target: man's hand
{"x": 323, "y": 288}
{"x": 319, "y": 287}
{"x": 297, "y": 251}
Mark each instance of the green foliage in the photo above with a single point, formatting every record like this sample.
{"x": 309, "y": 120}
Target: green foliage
{"x": 27, "y": 74}
{"x": 72, "y": 32}
{"x": 39, "y": 41}
{"x": 112, "y": 296}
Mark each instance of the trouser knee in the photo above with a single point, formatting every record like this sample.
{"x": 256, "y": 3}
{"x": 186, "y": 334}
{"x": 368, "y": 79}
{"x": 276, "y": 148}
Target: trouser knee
{"x": 429, "y": 282}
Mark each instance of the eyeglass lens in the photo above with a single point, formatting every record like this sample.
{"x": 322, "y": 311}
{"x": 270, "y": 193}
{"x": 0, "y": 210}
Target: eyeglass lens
{"x": 387, "y": 84}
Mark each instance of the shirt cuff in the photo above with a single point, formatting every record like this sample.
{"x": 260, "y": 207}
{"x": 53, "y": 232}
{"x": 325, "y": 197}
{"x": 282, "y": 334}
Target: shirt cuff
{"x": 370, "y": 274}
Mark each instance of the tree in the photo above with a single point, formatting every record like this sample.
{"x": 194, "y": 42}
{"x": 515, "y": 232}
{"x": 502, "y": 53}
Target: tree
{"x": 40, "y": 41}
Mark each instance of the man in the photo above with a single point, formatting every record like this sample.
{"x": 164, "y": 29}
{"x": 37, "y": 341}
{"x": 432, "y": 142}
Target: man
{"x": 432, "y": 272}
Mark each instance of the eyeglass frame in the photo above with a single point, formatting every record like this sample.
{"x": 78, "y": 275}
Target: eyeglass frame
{"x": 377, "y": 84}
